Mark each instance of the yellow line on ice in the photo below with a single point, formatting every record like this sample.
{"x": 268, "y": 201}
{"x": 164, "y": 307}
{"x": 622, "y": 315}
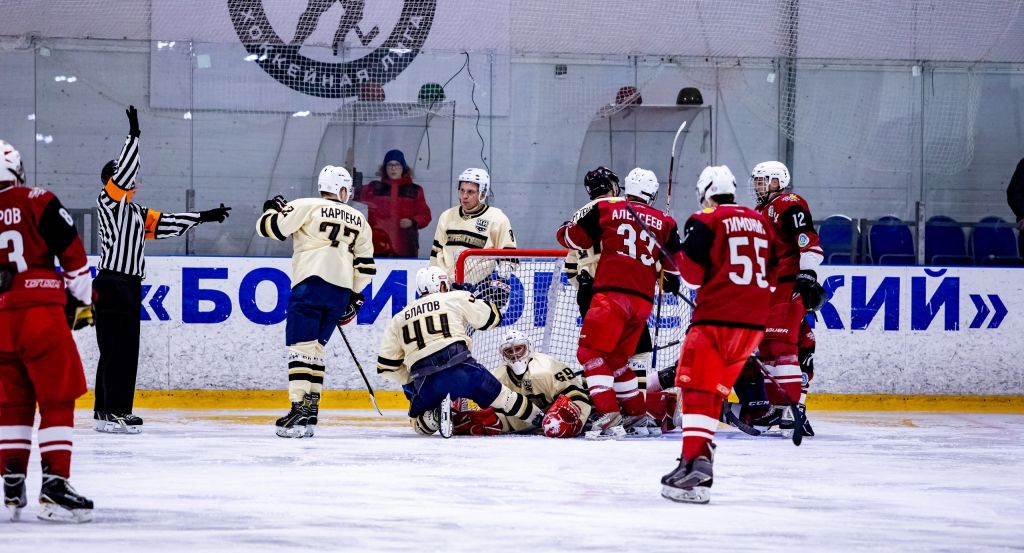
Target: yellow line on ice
{"x": 359, "y": 399}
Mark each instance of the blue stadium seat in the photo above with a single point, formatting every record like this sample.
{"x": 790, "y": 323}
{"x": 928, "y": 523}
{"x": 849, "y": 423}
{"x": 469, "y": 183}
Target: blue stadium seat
{"x": 993, "y": 243}
{"x": 891, "y": 243}
{"x": 945, "y": 243}
{"x": 837, "y": 238}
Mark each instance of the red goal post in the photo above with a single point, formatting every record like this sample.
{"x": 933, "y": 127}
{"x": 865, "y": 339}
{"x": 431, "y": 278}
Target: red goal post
{"x": 542, "y": 304}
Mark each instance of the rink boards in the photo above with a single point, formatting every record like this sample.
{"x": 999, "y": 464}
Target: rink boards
{"x": 214, "y": 328}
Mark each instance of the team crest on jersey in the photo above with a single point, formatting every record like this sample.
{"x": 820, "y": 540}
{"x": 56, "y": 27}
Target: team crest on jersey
{"x": 528, "y": 386}
{"x": 283, "y": 60}
{"x": 481, "y": 225}
{"x": 771, "y": 211}
{"x": 803, "y": 240}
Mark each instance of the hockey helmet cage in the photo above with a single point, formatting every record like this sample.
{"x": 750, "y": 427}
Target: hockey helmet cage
{"x": 429, "y": 280}
{"x": 11, "y": 165}
{"x": 601, "y": 181}
{"x": 478, "y": 177}
{"x": 334, "y": 179}
{"x": 642, "y": 184}
{"x": 769, "y": 170}
{"x": 715, "y": 180}
{"x": 516, "y": 351}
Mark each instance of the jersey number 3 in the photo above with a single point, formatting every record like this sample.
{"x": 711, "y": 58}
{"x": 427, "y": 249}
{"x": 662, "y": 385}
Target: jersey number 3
{"x": 16, "y": 255}
{"x": 743, "y": 257}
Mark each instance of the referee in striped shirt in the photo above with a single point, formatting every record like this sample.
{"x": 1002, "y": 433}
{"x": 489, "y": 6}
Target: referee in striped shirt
{"x": 124, "y": 228}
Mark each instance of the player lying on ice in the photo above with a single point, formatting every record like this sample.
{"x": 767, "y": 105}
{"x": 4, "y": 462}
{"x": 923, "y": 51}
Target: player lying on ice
{"x": 551, "y": 386}
{"x": 426, "y": 350}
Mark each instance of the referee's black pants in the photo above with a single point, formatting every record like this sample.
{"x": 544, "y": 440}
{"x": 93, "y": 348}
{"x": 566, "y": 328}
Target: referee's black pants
{"x": 117, "y": 316}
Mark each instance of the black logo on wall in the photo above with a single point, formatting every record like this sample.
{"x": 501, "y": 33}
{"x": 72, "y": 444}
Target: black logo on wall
{"x": 283, "y": 62}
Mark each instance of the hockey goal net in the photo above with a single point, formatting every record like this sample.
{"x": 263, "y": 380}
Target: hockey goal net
{"x": 542, "y": 304}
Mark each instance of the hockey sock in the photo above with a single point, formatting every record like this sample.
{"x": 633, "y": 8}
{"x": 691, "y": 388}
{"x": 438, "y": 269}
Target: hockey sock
{"x": 16, "y": 437}
{"x": 600, "y": 382}
{"x": 305, "y": 368}
{"x": 627, "y": 391}
{"x": 56, "y": 426}
{"x": 700, "y": 420}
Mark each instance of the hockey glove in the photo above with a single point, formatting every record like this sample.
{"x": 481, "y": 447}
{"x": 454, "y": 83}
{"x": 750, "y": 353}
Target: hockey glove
{"x": 79, "y": 315}
{"x": 7, "y": 273}
{"x": 217, "y": 214}
{"x": 276, "y": 203}
{"x": 584, "y": 279}
{"x": 464, "y": 286}
{"x": 810, "y": 292}
{"x": 670, "y": 284}
{"x": 495, "y": 290}
{"x": 133, "y": 122}
{"x": 482, "y": 422}
{"x": 355, "y": 302}
{"x": 563, "y": 419}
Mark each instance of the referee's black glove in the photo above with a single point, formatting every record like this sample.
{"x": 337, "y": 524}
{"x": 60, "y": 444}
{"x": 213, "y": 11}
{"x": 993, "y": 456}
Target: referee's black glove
{"x": 217, "y": 214}
{"x": 133, "y": 122}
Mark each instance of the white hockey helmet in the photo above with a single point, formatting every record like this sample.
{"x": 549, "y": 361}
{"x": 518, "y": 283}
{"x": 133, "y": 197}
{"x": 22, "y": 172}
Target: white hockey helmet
{"x": 767, "y": 171}
{"x": 478, "y": 177}
{"x": 429, "y": 280}
{"x": 715, "y": 180}
{"x": 11, "y": 167}
{"x": 643, "y": 184}
{"x": 516, "y": 351}
{"x": 333, "y": 179}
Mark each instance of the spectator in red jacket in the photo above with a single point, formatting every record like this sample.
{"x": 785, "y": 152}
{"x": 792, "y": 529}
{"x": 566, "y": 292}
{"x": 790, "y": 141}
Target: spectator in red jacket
{"x": 397, "y": 208}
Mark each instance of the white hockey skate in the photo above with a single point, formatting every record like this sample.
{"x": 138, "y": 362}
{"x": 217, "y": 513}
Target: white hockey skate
{"x": 606, "y": 427}
{"x": 641, "y": 426}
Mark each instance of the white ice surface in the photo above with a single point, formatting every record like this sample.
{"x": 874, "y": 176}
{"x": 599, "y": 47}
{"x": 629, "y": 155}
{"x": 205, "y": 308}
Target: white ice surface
{"x": 205, "y": 481}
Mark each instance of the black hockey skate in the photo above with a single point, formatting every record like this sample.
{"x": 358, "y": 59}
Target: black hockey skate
{"x": 312, "y": 412}
{"x": 14, "y": 494}
{"x": 690, "y": 482}
{"x": 61, "y": 503}
{"x": 293, "y": 425}
{"x": 115, "y": 423}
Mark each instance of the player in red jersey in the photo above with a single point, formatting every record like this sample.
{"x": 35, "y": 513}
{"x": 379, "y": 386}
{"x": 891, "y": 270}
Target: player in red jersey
{"x": 798, "y": 291}
{"x": 728, "y": 256}
{"x": 39, "y": 362}
{"x": 623, "y": 295}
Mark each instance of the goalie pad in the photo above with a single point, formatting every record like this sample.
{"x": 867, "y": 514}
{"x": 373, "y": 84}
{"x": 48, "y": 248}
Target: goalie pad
{"x": 481, "y": 422}
{"x": 563, "y": 419}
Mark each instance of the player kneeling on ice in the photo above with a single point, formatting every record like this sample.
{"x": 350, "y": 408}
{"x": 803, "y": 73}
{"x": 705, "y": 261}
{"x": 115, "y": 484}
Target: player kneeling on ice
{"x": 332, "y": 260}
{"x": 728, "y": 257}
{"x": 551, "y": 385}
{"x": 425, "y": 348}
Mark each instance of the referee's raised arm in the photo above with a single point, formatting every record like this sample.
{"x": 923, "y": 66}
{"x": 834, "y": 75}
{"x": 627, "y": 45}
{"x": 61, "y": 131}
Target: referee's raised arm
{"x": 124, "y": 227}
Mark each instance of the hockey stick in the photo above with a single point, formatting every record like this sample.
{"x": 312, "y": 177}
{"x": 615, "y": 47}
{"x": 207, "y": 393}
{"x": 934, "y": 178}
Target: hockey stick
{"x": 661, "y": 250}
{"x": 798, "y": 417}
{"x": 661, "y": 272}
{"x": 373, "y": 398}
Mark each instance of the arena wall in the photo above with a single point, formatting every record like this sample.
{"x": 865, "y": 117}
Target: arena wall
{"x": 214, "y": 323}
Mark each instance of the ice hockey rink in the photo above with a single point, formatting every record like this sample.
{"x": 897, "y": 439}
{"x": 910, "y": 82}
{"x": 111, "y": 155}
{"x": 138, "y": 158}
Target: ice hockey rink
{"x": 206, "y": 480}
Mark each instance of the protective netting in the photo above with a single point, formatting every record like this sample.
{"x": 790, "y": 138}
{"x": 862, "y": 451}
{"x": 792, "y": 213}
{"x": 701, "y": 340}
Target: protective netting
{"x": 542, "y": 304}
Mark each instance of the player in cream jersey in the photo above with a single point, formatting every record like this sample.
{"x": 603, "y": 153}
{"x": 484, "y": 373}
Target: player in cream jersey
{"x": 474, "y": 225}
{"x": 425, "y": 349}
{"x": 332, "y": 262}
{"x": 545, "y": 381}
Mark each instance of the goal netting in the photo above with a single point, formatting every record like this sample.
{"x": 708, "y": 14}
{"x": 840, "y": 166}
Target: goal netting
{"x": 542, "y": 304}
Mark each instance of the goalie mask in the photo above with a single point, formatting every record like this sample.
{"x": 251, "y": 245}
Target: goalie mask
{"x": 11, "y": 167}
{"x": 516, "y": 351}
{"x": 601, "y": 181}
{"x": 335, "y": 179}
{"x": 764, "y": 174}
{"x": 480, "y": 178}
{"x": 430, "y": 279}
{"x": 642, "y": 184}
